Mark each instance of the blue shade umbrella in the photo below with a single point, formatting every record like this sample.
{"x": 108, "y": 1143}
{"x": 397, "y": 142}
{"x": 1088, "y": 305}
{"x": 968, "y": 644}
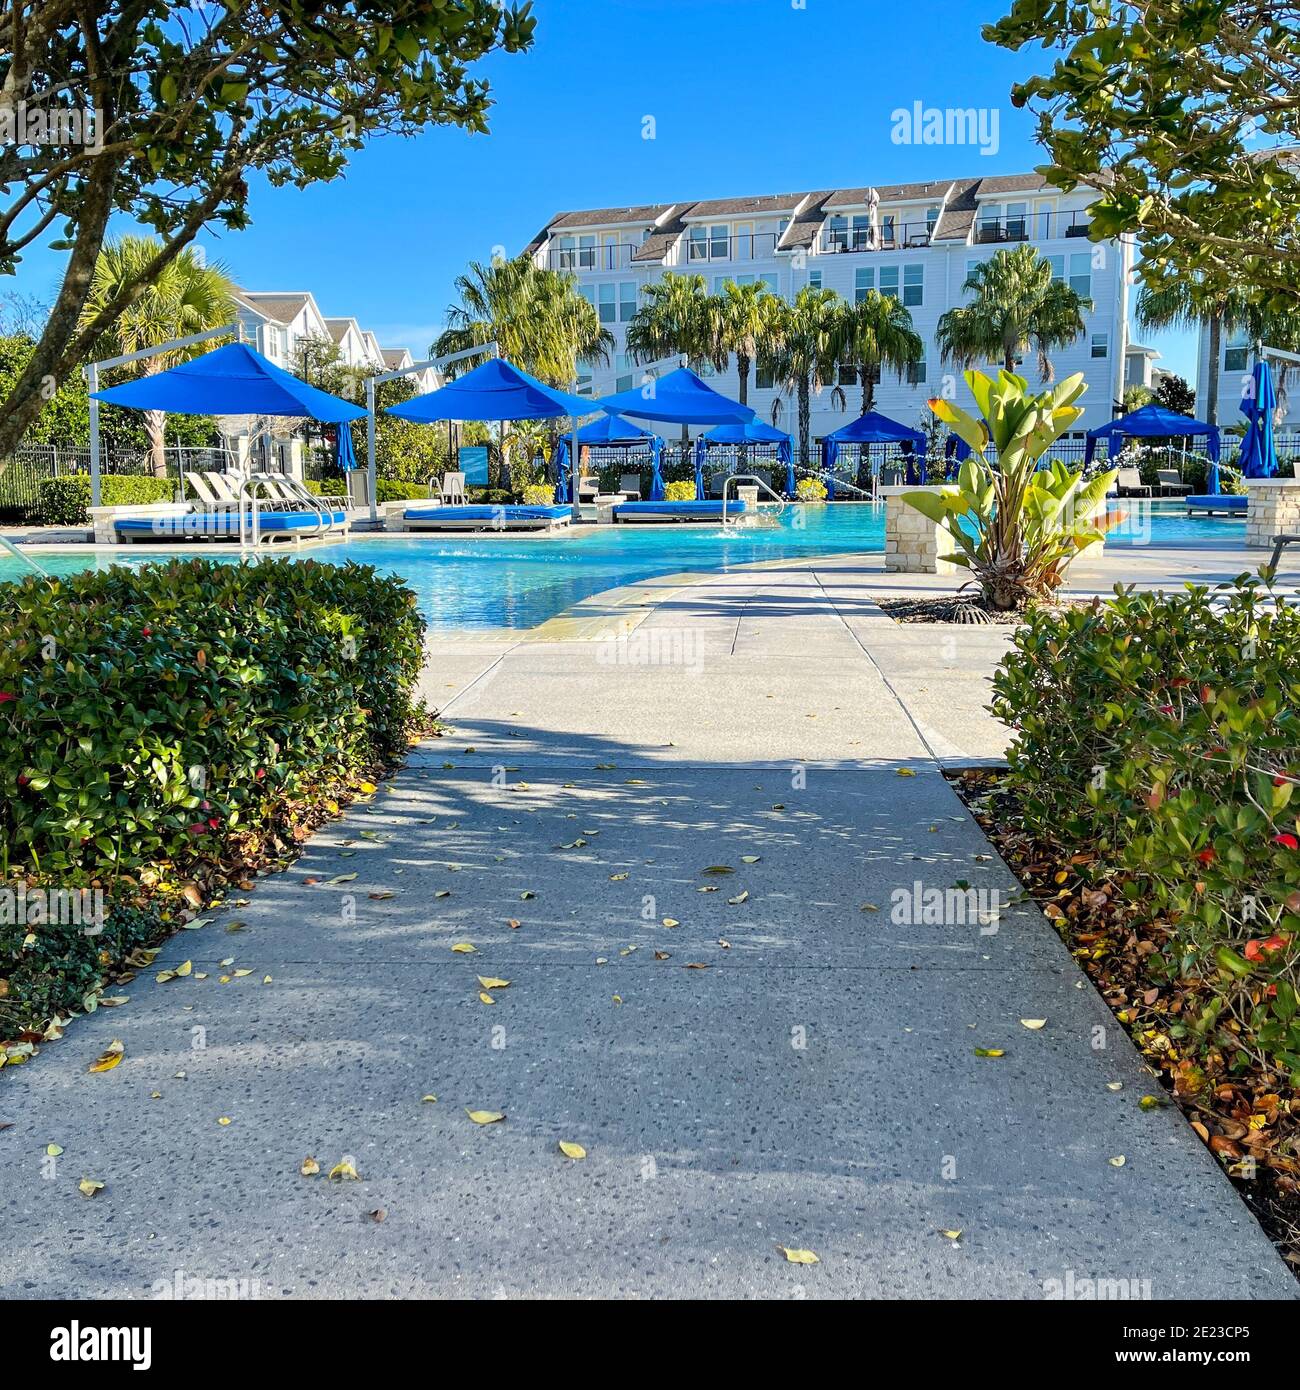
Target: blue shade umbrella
{"x": 231, "y": 380}
{"x": 612, "y": 430}
{"x": 1152, "y": 421}
{"x": 681, "y": 398}
{"x": 871, "y": 428}
{"x": 656, "y": 470}
{"x": 1258, "y": 458}
{"x": 756, "y": 432}
{"x": 344, "y": 454}
{"x": 494, "y": 390}
{"x": 701, "y": 449}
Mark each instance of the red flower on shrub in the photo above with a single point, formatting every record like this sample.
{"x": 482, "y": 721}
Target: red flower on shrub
{"x": 1165, "y": 709}
{"x": 1289, "y": 841}
{"x": 23, "y": 779}
{"x": 215, "y": 822}
{"x": 260, "y": 773}
{"x": 1207, "y": 855}
{"x": 146, "y": 632}
{"x": 6, "y": 696}
{"x": 198, "y": 828}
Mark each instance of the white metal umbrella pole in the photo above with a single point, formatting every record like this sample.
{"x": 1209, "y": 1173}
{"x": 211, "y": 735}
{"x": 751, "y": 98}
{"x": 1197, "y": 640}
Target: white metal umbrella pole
{"x": 437, "y": 363}
{"x": 231, "y": 330}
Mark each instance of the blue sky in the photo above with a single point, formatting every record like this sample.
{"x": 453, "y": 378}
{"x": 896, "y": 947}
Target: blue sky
{"x": 747, "y": 96}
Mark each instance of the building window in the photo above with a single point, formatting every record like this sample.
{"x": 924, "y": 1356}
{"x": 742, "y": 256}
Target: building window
{"x": 847, "y": 373}
{"x": 837, "y": 233}
{"x": 626, "y": 300}
{"x": 1081, "y": 273}
{"x": 990, "y": 216}
{"x": 1017, "y": 223}
{"x": 1236, "y": 356}
{"x": 887, "y": 228}
{"x": 916, "y": 373}
{"x": 605, "y": 301}
{"x": 863, "y": 280}
{"x": 1100, "y": 345}
{"x": 763, "y": 378}
{"x": 1058, "y": 268}
{"x": 814, "y": 279}
{"x": 889, "y": 280}
{"x": 913, "y": 285}
{"x": 931, "y": 217}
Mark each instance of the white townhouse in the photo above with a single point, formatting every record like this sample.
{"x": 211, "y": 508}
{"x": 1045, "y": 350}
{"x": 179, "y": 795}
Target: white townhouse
{"x": 1235, "y": 365}
{"x": 916, "y": 241}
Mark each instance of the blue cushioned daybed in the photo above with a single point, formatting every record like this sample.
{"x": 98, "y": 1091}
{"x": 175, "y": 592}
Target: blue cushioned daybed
{"x": 676, "y": 511}
{"x": 1208, "y": 503}
{"x": 485, "y": 517}
{"x": 221, "y": 525}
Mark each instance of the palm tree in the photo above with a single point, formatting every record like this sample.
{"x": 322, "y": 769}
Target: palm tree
{"x": 189, "y": 296}
{"x": 875, "y": 333}
{"x": 740, "y": 324}
{"x": 801, "y": 346}
{"x": 537, "y": 318}
{"x": 1185, "y": 304}
{"x": 1017, "y": 305}
{"x": 676, "y": 317}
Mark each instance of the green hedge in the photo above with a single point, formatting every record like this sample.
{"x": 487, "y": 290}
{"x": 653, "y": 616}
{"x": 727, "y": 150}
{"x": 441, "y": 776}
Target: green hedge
{"x": 167, "y": 728}
{"x": 1155, "y": 747}
{"x": 387, "y": 489}
{"x": 65, "y": 500}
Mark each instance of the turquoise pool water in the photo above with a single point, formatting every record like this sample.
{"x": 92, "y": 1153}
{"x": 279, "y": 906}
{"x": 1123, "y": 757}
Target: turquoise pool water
{"x": 520, "y": 581}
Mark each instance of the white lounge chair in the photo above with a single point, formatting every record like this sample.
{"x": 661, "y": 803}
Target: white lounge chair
{"x": 452, "y": 489}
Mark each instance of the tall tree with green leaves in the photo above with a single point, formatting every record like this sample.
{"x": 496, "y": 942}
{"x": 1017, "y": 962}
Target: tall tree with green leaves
{"x": 1015, "y": 306}
{"x": 536, "y": 317}
{"x": 189, "y": 295}
{"x": 676, "y": 317}
{"x": 802, "y": 348}
{"x": 169, "y": 114}
{"x": 740, "y": 323}
{"x": 1183, "y": 115}
{"x": 874, "y": 333}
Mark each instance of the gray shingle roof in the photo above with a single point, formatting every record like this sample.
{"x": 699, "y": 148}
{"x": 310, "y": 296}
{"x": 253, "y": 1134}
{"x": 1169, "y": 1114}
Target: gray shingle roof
{"x": 283, "y": 308}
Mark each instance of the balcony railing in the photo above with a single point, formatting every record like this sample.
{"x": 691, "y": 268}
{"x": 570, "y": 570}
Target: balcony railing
{"x": 749, "y": 246}
{"x": 1031, "y": 226}
{"x": 577, "y": 258}
{"x": 888, "y": 236}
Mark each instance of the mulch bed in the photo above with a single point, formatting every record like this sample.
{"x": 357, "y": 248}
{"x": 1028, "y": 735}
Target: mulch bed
{"x": 960, "y": 608}
{"x": 1249, "y": 1120}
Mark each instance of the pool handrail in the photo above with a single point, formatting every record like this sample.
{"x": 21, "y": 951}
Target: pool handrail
{"x": 754, "y": 480}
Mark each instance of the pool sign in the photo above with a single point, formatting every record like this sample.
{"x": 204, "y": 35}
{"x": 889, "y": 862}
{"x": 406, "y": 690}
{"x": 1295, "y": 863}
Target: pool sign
{"x": 473, "y": 460}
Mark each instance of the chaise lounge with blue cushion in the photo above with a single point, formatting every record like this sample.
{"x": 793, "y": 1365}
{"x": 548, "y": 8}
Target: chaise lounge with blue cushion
{"x": 1207, "y": 504}
{"x": 224, "y": 525}
{"x": 482, "y": 517}
{"x": 676, "y": 511}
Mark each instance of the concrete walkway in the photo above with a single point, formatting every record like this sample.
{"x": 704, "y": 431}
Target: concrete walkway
{"x": 817, "y": 1086}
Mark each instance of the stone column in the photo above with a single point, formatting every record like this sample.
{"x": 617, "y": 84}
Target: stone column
{"x": 913, "y": 542}
{"x": 1273, "y": 510}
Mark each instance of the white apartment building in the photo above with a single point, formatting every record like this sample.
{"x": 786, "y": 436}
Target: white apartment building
{"x": 1235, "y": 365}
{"x": 916, "y": 241}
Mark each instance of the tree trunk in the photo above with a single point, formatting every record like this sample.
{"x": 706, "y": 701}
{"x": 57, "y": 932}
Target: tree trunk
{"x": 868, "y": 378}
{"x": 155, "y": 424}
{"x": 742, "y": 369}
{"x": 805, "y": 419}
{"x": 1216, "y": 356}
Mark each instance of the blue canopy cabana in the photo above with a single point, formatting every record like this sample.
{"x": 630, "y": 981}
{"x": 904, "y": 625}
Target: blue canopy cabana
{"x": 497, "y": 390}
{"x": 1258, "y": 456}
{"x": 609, "y": 432}
{"x": 1154, "y": 421}
{"x": 750, "y": 432}
{"x": 231, "y": 380}
{"x": 956, "y": 447}
{"x": 871, "y": 428}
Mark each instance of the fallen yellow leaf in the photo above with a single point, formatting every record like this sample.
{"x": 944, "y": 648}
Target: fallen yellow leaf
{"x": 309, "y": 1167}
{"x": 464, "y": 948}
{"x": 572, "y": 1150}
{"x": 799, "y": 1257}
{"x": 110, "y": 1058}
{"x": 491, "y": 982}
{"x": 1033, "y": 1024}
{"x": 88, "y": 1187}
{"x": 485, "y": 1117}
{"x": 343, "y": 1171}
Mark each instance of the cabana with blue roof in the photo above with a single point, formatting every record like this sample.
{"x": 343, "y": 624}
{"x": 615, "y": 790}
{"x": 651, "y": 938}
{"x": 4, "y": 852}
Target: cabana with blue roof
{"x": 610, "y": 432}
{"x": 1155, "y": 421}
{"x": 866, "y": 430}
{"x": 681, "y": 397}
{"x": 233, "y": 380}
{"x": 494, "y": 390}
{"x": 753, "y": 434}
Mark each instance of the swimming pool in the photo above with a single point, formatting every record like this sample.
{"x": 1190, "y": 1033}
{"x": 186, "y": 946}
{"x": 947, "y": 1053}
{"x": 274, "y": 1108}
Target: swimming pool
{"x": 485, "y": 582}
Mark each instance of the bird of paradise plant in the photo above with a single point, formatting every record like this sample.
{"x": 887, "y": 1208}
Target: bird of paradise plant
{"x": 1016, "y": 526}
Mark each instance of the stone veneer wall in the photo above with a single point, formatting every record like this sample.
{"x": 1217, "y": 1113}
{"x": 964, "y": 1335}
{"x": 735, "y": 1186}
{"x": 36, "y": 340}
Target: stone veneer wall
{"x": 1273, "y": 510}
{"x": 912, "y": 541}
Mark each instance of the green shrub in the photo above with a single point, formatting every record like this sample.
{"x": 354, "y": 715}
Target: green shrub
{"x": 679, "y": 492}
{"x": 491, "y": 496}
{"x": 810, "y": 490}
{"x": 1160, "y": 739}
{"x": 539, "y": 494}
{"x": 328, "y": 487}
{"x": 389, "y": 491}
{"x": 163, "y": 726}
{"x": 65, "y": 500}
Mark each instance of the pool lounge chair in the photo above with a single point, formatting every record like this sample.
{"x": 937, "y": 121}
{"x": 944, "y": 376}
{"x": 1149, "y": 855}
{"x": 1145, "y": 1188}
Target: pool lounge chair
{"x": 677, "y": 511}
{"x": 1222, "y": 503}
{"x": 1280, "y": 543}
{"x": 1130, "y": 484}
{"x": 451, "y": 489}
{"x": 588, "y": 489}
{"x": 281, "y": 515}
{"x": 479, "y": 517}
{"x": 630, "y": 485}
{"x": 1170, "y": 482}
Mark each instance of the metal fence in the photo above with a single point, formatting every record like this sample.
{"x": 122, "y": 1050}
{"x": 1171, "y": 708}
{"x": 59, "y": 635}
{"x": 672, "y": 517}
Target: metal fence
{"x": 31, "y": 464}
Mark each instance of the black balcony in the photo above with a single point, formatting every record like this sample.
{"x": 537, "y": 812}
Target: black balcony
{"x": 579, "y": 258}
{"x": 1031, "y": 226}
{"x": 888, "y": 236}
{"x": 749, "y": 246}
